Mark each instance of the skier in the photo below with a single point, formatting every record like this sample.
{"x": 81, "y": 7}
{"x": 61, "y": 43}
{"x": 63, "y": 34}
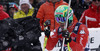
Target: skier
{"x": 76, "y": 34}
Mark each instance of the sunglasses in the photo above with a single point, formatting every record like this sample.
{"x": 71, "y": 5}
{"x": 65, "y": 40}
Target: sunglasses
{"x": 96, "y": 0}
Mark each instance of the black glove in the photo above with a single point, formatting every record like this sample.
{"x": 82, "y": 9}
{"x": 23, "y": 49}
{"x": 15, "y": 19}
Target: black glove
{"x": 47, "y": 28}
{"x": 66, "y": 34}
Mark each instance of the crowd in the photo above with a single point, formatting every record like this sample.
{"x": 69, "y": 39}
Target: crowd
{"x": 77, "y": 5}
{"x": 42, "y": 12}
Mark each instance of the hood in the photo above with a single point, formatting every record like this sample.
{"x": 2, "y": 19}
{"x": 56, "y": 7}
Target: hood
{"x": 23, "y": 2}
{"x": 1, "y": 8}
{"x": 94, "y": 8}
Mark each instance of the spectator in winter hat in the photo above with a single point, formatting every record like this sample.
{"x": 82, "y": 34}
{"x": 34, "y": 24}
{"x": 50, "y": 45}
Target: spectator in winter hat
{"x": 91, "y": 16}
{"x": 13, "y": 7}
{"x": 25, "y": 9}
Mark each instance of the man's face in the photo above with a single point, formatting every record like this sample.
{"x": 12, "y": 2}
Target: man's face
{"x": 12, "y": 10}
{"x": 96, "y": 2}
{"x": 25, "y": 7}
{"x": 62, "y": 25}
{"x": 53, "y": 1}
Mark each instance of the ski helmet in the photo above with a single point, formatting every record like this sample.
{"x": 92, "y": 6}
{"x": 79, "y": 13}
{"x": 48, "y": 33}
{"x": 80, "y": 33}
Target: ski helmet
{"x": 13, "y": 5}
{"x": 61, "y": 14}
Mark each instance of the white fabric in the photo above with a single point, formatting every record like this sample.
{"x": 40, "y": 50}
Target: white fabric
{"x": 24, "y": 2}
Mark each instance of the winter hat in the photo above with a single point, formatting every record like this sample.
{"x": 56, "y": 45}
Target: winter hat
{"x": 13, "y": 5}
{"x": 24, "y": 2}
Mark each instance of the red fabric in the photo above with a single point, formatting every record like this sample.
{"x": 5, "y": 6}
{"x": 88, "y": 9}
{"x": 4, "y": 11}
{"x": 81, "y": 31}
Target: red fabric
{"x": 3, "y": 14}
{"x": 91, "y": 17}
{"x": 46, "y": 12}
{"x": 81, "y": 38}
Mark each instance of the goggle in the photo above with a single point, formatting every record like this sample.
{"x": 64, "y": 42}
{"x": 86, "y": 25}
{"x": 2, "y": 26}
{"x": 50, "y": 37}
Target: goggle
{"x": 96, "y": 0}
{"x": 61, "y": 19}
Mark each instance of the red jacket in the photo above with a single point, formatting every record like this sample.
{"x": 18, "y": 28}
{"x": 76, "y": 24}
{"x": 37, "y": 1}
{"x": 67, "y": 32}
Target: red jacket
{"x": 46, "y": 12}
{"x": 81, "y": 37}
{"x": 91, "y": 17}
{"x": 3, "y": 14}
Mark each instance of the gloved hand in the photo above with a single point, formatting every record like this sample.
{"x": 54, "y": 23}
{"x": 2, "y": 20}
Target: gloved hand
{"x": 47, "y": 28}
{"x": 66, "y": 34}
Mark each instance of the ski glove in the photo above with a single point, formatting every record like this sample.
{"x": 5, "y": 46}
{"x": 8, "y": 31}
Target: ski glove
{"x": 66, "y": 34}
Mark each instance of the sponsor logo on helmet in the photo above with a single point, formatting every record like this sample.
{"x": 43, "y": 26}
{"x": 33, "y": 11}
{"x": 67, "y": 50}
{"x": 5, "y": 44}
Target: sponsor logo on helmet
{"x": 59, "y": 13}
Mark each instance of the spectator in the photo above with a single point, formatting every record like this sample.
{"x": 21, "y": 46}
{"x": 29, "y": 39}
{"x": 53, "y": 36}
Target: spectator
{"x": 13, "y": 7}
{"x": 3, "y": 14}
{"x": 25, "y": 9}
{"x": 91, "y": 16}
{"x": 46, "y": 12}
{"x": 79, "y": 6}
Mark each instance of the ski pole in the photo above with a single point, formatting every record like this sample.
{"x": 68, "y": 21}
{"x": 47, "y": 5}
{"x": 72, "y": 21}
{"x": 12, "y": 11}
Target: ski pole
{"x": 65, "y": 27}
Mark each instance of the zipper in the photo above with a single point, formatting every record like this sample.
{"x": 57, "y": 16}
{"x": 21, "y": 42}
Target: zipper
{"x": 54, "y": 17}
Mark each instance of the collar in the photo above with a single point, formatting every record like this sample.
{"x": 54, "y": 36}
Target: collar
{"x": 21, "y": 12}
